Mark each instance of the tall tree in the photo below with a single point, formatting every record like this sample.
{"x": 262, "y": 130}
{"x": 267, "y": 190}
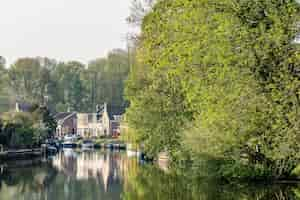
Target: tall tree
{"x": 106, "y": 78}
{"x": 221, "y": 79}
{"x": 71, "y": 91}
{"x": 4, "y": 92}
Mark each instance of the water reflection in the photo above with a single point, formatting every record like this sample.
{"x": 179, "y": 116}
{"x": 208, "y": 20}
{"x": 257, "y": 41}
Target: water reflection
{"x": 104, "y": 167}
{"x": 69, "y": 175}
{"x": 171, "y": 185}
{"x": 92, "y": 175}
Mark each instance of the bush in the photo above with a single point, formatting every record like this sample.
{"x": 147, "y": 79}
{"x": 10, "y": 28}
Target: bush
{"x": 22, "y": 130}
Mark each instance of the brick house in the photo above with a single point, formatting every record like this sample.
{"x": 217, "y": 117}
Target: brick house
{"x": 66, "y": 123}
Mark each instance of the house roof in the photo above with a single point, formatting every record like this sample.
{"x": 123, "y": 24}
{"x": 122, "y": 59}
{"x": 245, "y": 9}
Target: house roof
{"x": 61, "y": 117}
{"x": 25, "y": 107}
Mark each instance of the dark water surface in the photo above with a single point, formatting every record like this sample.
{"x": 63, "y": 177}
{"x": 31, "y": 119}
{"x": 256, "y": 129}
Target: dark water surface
{"x": 105, "y": 175}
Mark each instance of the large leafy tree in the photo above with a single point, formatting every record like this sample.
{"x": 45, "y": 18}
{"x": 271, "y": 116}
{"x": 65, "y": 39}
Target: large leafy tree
{"x": 29, "y": 78}
{"x": 67, "y": 78}
{"x": 105, "y": 79}
{"x": 221, "y": 79}
{"x": 24, "y": 75}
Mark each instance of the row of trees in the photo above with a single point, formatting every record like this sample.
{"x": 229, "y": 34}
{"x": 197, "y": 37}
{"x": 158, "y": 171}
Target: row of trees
{"x": 67, "y": 85}
{"x": 220, "y": 80}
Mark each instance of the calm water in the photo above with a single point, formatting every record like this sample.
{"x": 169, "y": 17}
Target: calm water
{"x": 92, "y": 175}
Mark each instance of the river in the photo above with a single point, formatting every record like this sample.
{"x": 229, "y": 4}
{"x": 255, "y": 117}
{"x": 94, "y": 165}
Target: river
{"x": 108, "y": 175}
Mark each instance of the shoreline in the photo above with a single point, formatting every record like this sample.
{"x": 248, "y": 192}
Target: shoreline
{"x": 30, "y": 154}
{"x": 20, "y": 154}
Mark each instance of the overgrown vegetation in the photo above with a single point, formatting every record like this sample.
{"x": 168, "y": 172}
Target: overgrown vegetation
{"x": 220, "y": 79}
{"x": 26, "y": 130}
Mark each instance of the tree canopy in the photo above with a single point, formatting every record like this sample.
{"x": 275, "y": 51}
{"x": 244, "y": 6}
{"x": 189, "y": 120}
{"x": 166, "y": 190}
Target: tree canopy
{"x": 219, "y": 78}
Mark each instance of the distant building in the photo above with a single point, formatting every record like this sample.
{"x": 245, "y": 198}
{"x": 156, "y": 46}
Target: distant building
{"x": 66, "y": 123}
{"x": 104, "y": 122}
{"x": 94, "y": 124}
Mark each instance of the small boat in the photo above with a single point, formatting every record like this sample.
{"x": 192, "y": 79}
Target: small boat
{"x": 109, "y": 146}
{"x": 87, "y": 144}
{"x": 69, "y": 142}
{"x": 132, "y": 153}
{"x": 119, "y": 146}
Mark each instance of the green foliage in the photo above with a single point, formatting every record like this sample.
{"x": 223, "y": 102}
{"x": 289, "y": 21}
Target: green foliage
{"x": 69, "y": 85}
{"x": 17, "y": 130}
{"x": 47, "y": 122}
{"x": 141, "y": 182}
{"x": 296, "y": 171}
{"x": 26, "y": 76}
{"x": 4, "y": 95}
{"x": 60, "y": 107}
{"x": 219, "y": 78}
{"x": 69, "y": 80}
{"x": 25, "y": 130}
{"x": 105, "y": 79}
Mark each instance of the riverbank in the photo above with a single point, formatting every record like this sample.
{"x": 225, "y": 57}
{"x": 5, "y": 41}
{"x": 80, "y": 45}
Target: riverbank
{"x": 23, "y": 154}
{"x": 20, "y": 154}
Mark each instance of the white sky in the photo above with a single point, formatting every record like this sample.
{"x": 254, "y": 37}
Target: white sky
{"x": 62, "y": 29}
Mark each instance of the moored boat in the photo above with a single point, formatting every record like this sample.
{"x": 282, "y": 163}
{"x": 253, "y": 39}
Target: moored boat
{"x": 87, "y": 144}
{"x": 133, "y": 153}
{"x": 109, "y": 146}
{"x": 69, "y": 141}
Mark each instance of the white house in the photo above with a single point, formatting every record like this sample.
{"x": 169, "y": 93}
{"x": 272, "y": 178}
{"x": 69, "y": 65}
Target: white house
{"x": 94, "y": 124}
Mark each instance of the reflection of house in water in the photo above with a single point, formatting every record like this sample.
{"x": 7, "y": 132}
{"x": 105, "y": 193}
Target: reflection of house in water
{"x": 66, "y": 162}
{"x": 104, "y": 167}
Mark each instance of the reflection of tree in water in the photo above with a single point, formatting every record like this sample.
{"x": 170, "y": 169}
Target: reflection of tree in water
{"x": 19, "y": 181}
{"x": 148, "y": 182}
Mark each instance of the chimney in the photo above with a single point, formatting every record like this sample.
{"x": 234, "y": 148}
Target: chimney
{"x": 105, "y": 107}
